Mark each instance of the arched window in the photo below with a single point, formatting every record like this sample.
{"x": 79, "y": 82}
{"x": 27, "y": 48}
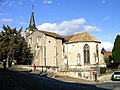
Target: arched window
{"x": 78, "y": 59}
{"x": 97, "y": 54}
{"x": 86, "y": 54}
{"x": 97, "y": 50}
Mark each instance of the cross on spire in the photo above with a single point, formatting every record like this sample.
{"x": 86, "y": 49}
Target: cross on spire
{"x": 32, "y": 8}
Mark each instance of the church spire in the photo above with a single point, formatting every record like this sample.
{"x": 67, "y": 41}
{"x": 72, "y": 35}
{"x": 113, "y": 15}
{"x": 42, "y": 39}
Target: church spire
{"x": 32, "y": 21}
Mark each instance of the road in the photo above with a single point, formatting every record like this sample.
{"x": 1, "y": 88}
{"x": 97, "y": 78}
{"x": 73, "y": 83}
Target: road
{"x": 111, "y": 85}
{"x": 13, "y": 80}
{"x": 114, "y": 85}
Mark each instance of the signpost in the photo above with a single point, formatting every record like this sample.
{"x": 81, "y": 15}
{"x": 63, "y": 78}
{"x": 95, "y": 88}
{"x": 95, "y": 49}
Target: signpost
{"x": 95, "y": 74}
{"x": 94, "y": 71}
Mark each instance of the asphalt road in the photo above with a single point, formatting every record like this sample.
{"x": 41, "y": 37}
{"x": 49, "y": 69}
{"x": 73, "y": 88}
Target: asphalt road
{"x": 13, "y": 80}
{"x": 114, "y": 85}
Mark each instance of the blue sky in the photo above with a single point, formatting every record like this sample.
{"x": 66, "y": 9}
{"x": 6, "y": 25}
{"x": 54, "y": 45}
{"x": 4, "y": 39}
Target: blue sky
{"x": 99, "y": 17}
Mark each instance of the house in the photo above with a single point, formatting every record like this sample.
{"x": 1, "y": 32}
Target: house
{"x": 107, "y": 55}
{"x": 78, "y": 53}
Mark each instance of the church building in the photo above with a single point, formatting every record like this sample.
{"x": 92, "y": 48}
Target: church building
{"x": 79, "y": 52}
{"x": 46, "y": 46}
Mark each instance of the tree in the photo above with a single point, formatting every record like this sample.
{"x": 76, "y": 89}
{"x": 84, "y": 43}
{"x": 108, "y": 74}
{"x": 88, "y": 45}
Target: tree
{"x": 14, "y": 47}
{"x": 116, "y": 50}
{"x": 23, "y": 53}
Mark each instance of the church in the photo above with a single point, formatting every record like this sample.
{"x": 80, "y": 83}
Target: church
{"x": 79, "y": 52}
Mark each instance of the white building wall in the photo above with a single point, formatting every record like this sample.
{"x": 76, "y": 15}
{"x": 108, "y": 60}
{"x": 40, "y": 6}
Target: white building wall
{"x": 34, "y": 36}
{"x": 50, "y": 51}
{"x": 37, "y": 46}
{"x": 72, "y": 50}
{"x": 53, "y": 54}
{"x": 59, "y": 53}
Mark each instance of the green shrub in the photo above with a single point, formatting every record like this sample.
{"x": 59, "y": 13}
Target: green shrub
{"x": 103, "y": 70}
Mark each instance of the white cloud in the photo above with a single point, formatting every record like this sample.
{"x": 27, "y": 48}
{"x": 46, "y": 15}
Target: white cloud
{"x": 69, "y": 27}
{"x": 108, "y": 46}
{"x": 22, "y": 33}
{"x": 10, "y": 4}
{"x": 92, "y": 28}
{"x": 107, "y": 18}
{"x": 4, "y": 3}
{"x": 19, "y": 2}
{"x": 2, "y": 14}
{"x": 48, "y": 1}
{"x": 103, "y": 1}
{"x": 23, "y": 23}
{"x": 109, "y": 2}
{"x": 6, "y": 19}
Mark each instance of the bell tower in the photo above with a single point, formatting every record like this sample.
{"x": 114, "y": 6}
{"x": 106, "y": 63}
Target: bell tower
{"x": 32, "y": 21}
{"x": 32, "y": 26}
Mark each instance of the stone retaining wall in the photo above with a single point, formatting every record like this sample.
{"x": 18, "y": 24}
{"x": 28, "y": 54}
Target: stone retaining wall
{"x": 105, "y": 78}
{"x": 83, "y": 75}
{"x": 87, "y": 74}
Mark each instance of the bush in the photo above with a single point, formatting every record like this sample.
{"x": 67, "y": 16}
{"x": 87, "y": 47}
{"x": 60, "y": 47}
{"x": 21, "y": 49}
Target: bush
{"x": 113, "y": 66}
{"x": 103, "y": 70}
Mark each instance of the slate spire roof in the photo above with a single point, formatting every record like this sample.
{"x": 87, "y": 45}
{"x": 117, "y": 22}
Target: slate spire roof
{"x": 32, "y": 21}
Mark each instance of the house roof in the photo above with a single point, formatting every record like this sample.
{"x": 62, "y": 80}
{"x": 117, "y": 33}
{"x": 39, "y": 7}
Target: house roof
{"x": 51, "y": 34}
{"x": 82, "y": 37}
{"x": 67, "y": 38}
{"x": 107, "y": 54}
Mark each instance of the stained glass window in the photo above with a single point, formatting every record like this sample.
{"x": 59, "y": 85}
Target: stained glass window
{"x": 86, "y": 53}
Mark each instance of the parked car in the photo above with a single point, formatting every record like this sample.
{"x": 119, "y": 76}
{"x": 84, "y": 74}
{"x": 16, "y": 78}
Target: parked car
{"x": 116, "y": 75}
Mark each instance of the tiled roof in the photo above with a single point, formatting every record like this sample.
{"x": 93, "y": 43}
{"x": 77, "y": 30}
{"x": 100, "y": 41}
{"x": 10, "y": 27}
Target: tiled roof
{"x": 51, "y": 34}
{"x": 82, "y": 37}
{"x": 68, "y": 37}
{"x": 107, "y": 54}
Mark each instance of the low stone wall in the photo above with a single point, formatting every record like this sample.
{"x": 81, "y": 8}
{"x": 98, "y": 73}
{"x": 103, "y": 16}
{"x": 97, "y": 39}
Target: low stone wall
{"x": 84, "y": 74}
{"x": 70, "y": 74}
{"x": 26, "y": 67}
{"x": 105, "y": 78}
{"x": 38, "y": 68}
